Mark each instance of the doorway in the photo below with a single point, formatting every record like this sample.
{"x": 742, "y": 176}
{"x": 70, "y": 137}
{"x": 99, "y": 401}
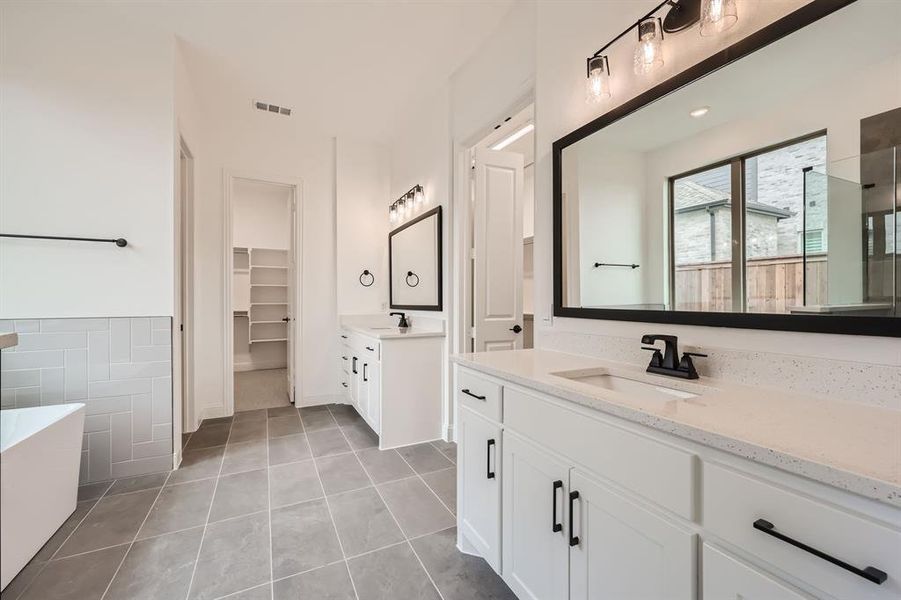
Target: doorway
{"x": 500, "y": 229}
{"x": 262, "y": 293}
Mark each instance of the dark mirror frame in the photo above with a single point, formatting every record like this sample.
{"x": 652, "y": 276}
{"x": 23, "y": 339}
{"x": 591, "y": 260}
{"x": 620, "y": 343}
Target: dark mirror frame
{"x": 439, "y": 253}
{"x": 863, "y": 325}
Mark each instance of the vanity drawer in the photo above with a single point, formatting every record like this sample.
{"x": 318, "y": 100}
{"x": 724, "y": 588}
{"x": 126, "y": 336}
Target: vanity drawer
{"x": 734, "y": 502}
{"x": 480, "y": 394}
{"x": 344, "y": 357}
{"x": 661, "y": 473}
{"x": 370, "y": 349}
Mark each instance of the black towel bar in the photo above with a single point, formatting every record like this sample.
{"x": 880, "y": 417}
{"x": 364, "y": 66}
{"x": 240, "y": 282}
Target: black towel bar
{"x": 121, "y": 242}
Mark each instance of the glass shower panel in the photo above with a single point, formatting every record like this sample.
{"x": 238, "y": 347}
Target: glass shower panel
{"x": 849, "y": 234}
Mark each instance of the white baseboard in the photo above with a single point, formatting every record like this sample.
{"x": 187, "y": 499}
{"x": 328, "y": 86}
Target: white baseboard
{"x": 259, "y": 366}
{"x": 322, "y": 399}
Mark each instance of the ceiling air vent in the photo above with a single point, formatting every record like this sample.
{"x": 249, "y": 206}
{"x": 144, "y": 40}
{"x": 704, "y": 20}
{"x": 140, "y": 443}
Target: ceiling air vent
{"x": 273, "y": 108}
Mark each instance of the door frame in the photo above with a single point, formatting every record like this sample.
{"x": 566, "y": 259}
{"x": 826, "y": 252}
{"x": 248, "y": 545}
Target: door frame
{"x": 182, "y": 338}
{"x": 229, "y": 176}
{"x": 461, "y": 268}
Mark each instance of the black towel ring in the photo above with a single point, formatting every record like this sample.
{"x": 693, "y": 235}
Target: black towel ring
{"x": 412, "y": 274}
{"x": 371, "y": 277}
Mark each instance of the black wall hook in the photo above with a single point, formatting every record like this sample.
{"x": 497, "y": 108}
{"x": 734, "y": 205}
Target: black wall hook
{"x": 365, "y": 274}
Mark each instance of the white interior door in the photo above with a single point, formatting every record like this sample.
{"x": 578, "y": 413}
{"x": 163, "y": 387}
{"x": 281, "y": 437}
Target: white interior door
{"x": 292, "y": 309}
{"x": 497, "y": 227}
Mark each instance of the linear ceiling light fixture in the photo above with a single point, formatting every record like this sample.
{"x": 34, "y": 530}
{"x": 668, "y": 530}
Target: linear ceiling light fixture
{"x": 403, "y": 207}
{"x": 513, "y": 137}
{"x": 715, "y": 16}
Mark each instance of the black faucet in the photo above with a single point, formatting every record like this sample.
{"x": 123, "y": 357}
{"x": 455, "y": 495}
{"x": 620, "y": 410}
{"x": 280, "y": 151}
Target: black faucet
{"x": 665, "y": 364}
{"x": 403, "y": 319}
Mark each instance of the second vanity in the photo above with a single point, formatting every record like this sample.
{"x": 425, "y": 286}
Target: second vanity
{"x": 581, "y": 478}
{"x": 393, "y": 377}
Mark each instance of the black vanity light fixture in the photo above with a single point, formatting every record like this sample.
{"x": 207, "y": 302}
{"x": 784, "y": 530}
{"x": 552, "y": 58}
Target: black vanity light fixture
{"x": 715, "y": 17}
{"x": 404, "y": 206}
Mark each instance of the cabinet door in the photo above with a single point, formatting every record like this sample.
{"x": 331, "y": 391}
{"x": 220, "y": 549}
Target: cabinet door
{"x": 535, "y": 533}
{"x": 622, "y": 551}
{"x": 727, "y": 578}
{"x": 480, "y": 481}
{"x": 373, "y": 383}
{"x": 363, "y": 377}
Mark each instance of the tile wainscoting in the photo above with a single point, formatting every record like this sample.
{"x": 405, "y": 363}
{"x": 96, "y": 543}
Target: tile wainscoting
{"x": 121, "y": 368}
{"x": 865, "y": 383}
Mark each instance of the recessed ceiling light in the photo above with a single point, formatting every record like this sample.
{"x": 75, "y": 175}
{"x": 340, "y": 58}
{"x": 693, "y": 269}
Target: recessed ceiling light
{"x": 513, "y": 137}
{"x": 700, "y": 112}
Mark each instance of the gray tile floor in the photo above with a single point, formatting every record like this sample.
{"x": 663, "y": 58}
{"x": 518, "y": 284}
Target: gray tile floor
{"x": 271, "y": 504}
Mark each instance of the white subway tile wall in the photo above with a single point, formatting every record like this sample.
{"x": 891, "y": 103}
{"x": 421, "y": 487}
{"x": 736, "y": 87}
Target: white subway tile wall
{"x": 121, "y": 368}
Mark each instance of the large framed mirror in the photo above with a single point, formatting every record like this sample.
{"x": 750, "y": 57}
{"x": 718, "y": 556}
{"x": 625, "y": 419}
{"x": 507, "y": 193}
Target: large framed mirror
{"x": 759, "y": 189}
{"x": 414, "y": 262}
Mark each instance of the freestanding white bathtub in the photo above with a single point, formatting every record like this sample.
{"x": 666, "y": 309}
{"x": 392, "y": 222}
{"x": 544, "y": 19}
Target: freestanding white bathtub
{"x": 40, "y": 454}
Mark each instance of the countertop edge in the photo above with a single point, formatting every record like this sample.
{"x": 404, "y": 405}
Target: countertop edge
{"x": 862, "y": 485}
{"x": 393, "y": 335}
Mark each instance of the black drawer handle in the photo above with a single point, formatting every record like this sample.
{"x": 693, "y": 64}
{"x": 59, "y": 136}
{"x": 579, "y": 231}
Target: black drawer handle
{"x": 370, "y": 349}
{"x": 364, "y": 372}
{"x": 490, "y": 474}
{"x": 869, "y": 573}
{"x": 353, "y": 366}
{"x": 476, "y": 396}
{"x": 343, "y": 337}
{"x": 555, "y": 525}
{"x": 573, "y": 540}
{"x": 343, "y": 358}
{"x": 344, "y": 384}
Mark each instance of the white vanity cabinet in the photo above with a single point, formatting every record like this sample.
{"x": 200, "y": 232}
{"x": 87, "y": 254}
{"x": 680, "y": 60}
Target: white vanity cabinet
{"x": 594, "y": 507}
{"x": 394, "y": 383}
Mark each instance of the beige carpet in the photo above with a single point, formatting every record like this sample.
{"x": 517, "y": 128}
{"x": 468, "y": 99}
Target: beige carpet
{"x": 261, "y": 389}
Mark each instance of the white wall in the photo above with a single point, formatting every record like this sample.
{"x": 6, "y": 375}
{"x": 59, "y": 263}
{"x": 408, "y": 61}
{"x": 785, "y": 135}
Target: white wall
{"x": 260, "y": 215}
{"x": 86, "y": 149}
{"x": 363, "y": 195}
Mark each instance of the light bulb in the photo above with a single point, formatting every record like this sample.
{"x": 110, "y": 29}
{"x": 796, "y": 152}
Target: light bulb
{"x": 649, "y": 52}
{"x": 598, "y": 84}
{"x": 717, "y": 16}
{"x": 419, "y": 196}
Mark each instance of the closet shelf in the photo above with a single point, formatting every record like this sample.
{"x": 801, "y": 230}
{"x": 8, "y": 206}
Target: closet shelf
{"x": 267, "y": 322}
{"x": 268, "y": 340}
{"x": 282, "y": 267}
{"x": 269, "y": 304}
{"x": 279, "y": 285}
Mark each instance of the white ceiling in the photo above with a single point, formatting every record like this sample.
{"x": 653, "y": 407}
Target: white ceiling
{"x": 344, "y": 67}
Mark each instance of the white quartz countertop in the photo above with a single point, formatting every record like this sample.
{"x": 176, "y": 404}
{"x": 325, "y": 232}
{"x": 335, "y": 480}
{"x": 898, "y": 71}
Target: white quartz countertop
{"x": 849, "y": 446}
{"x": 393, "y": 333}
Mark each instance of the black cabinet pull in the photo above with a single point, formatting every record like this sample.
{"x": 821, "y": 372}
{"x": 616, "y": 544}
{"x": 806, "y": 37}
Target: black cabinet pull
{"x": 343, "y": 337}
{"x": 573, "y": 540}
{"x": 490, "y": 473}
{"x": 344, "y": 384}
{"x": 343, "y": 358}
{"x": 370, "y": 349}
{"x": 869, "y": 573}
{"x": 556, "y": 526}
{"x": 353, "y": 366}
{"x": 364, "y": 371}
{"x": 476, "y": 396}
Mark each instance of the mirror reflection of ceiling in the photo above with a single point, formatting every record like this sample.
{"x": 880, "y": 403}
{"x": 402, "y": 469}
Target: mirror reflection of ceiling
{"x": 833, "y": 49}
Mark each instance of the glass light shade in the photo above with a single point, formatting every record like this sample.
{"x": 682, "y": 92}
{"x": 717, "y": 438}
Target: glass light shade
{"x": 419, "y": 196}
{"x": 717, "y": 16}
{"x": 598, "y": 83}
{"x": 392, "y": 214}
{"x": 649, "y": 52}
{"x": 401, "y": 208}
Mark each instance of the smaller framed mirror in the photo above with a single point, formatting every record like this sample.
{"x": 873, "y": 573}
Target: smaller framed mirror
{"x": 414, "y": 262}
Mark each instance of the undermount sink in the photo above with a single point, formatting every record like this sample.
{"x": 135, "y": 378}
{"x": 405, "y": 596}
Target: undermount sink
{"x": 602, "y": 378}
